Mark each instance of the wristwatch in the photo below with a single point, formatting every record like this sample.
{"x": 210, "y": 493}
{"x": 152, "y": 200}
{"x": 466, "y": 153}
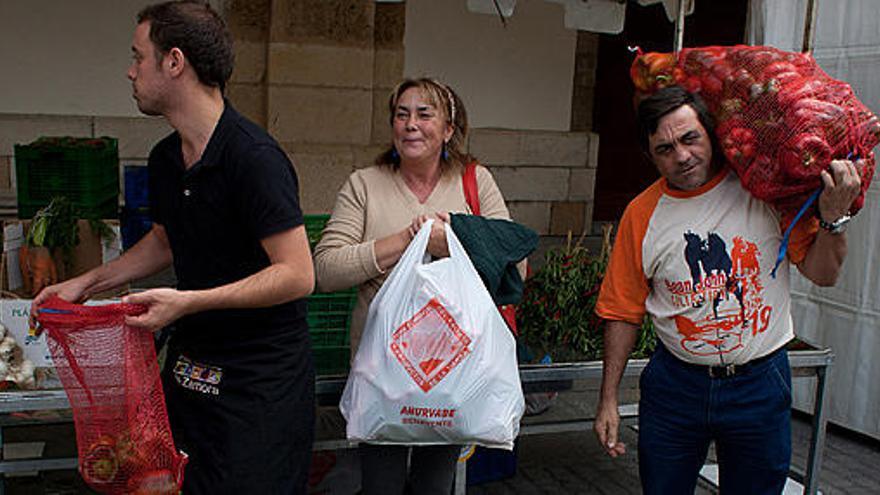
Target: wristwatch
{"x": 836, "y": 227}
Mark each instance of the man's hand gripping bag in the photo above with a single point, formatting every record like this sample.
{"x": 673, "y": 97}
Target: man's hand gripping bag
{"x": 436, "y": 363}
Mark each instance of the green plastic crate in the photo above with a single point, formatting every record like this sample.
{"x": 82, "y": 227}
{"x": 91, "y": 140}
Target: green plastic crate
{"x": 329, "y": 317}
{"x": 109, "y": 208}
{"x": 315, "y": 227}
{"x": 84, "y": 170}
{"x": 331, "y": 360}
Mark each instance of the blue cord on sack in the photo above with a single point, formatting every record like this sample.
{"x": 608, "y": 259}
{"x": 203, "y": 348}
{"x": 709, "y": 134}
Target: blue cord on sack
{"x": 32, "y": 332}
{"x": 55, "y": 311}
{"x": 783, "y": 247}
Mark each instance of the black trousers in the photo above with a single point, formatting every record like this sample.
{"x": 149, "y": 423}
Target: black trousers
{"x": 384, "y": 469}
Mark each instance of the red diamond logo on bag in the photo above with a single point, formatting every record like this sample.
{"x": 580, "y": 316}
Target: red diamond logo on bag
{"x": 430, "y": 344}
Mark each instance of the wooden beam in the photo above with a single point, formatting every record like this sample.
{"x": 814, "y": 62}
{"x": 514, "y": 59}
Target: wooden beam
{"x": 809, "y": 26}
{"x": 679, "y": 26}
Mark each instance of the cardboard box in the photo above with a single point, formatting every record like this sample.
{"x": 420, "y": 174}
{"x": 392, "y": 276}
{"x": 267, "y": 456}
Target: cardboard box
{"x": 91, "y": 252}
{"x": 14, "y": 315}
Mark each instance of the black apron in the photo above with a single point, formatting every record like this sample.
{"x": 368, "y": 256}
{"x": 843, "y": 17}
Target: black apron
{"x": 243, "y": 411}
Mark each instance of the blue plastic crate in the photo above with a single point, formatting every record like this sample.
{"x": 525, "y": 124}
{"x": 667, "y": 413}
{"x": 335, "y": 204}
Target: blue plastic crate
{"x": 134, "y": 225}
{"x": 487, "y": 465}
{"x": 136, "y": 188}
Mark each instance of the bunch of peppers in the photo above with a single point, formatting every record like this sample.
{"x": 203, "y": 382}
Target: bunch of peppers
{"x": 780, "y": 118}
{"x": 126, "y": 463}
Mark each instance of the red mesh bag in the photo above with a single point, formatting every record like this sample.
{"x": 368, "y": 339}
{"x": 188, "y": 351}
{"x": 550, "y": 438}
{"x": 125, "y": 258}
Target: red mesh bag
{"x": 111, "y": 377}
{"x": 780, "y": 118}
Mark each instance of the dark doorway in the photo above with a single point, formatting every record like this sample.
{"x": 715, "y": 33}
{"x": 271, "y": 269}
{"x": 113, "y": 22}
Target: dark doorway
{"x": 623, "y": 171}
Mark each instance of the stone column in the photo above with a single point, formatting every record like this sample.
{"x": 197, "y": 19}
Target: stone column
{"x": 316, "y": 74}
{"x": 248, "y": 20}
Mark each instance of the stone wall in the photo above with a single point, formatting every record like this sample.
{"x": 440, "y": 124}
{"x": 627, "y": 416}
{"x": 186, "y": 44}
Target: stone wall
{"x": 326, "y": 68}
{"x": 248, "y": 20}
{"x": 317, "y": 74}
{"x": 583, "y": 89}
{"x": 547, "y": 179}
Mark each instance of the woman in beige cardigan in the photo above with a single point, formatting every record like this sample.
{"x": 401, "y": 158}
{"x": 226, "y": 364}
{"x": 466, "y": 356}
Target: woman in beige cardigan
{"x": 377, "y": 213}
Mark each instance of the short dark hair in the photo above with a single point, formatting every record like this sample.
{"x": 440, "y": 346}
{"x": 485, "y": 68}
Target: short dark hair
{"x": 198, "y": 31}
{"x": 665, "y": 101}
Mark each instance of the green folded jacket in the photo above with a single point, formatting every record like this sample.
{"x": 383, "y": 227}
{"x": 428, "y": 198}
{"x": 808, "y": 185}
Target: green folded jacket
{"x": 495, "y": 246}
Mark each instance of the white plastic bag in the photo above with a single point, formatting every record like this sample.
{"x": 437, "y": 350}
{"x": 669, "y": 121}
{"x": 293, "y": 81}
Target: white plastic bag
{"x": 436, "y": 363}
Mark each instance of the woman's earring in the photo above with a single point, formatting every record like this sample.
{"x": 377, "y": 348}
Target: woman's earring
{"x": 395, "y": 156}
{"x": 445, "y": 153}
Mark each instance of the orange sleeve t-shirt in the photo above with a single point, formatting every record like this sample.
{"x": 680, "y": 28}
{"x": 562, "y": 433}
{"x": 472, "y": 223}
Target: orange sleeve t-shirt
{"x": 699, "y": 263}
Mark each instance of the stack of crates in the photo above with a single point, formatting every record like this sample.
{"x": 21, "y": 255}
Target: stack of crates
{"x": 329, "y": 324}
{"x": 136, "y": 212}
{"x": 329, "y": 315}
{"x": 84, "y": 170}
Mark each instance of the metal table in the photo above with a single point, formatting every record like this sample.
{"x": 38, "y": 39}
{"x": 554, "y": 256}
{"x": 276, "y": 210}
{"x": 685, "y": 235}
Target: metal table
{"x": 804, "y": 363}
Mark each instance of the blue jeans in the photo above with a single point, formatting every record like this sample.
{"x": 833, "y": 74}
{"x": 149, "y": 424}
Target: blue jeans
{"x": 682, "y": 410}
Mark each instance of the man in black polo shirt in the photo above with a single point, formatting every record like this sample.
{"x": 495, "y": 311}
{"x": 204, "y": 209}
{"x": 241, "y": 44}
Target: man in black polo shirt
{"x": 239, "y": 379}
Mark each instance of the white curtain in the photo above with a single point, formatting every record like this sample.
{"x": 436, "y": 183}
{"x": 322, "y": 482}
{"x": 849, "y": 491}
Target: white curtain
{"x": 845, "y": 317}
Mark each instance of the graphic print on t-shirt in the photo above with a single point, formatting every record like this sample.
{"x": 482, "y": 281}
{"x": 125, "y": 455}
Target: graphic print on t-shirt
{"x": 725, "y": 287}
{"x": 430, "y": 344}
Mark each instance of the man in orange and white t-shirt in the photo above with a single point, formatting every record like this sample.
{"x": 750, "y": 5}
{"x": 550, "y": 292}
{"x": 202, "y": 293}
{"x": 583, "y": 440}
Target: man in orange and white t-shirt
{"x": 695, "y": 252}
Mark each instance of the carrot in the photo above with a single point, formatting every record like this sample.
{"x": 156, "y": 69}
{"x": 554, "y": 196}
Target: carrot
{"x": 42, "y": 269}
{"x": 25, "y": 267}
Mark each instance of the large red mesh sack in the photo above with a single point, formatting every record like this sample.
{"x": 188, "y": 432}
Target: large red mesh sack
{"x": 780, "y": 118}
{"x": 111, "y": 377}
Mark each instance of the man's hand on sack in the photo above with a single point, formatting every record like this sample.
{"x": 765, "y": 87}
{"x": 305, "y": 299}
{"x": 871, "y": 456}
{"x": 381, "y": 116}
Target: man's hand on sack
{"x": 606, "y": 426}
{"x": 842, "y": 185}
{"x": 72, "y": 290}
{"x": 163, "y": 307}
{"x": 437, "y": 245}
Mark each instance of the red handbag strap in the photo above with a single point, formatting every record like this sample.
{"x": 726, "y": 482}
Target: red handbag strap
{"x": 472, "y": 196}
{"x": 469, "y": 183}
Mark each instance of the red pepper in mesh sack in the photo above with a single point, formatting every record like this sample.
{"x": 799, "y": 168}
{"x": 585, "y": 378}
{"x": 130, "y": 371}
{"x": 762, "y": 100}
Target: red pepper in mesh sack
{"x": 782, "y": 119}
{"x": 653, "y": 71}
{"x": 777, "y": 68}
{"x": 739, "y": 145}
{"x": 111, "y": 377}
{"x": 740, "y": 84}
{"x": 805, "y": 156}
